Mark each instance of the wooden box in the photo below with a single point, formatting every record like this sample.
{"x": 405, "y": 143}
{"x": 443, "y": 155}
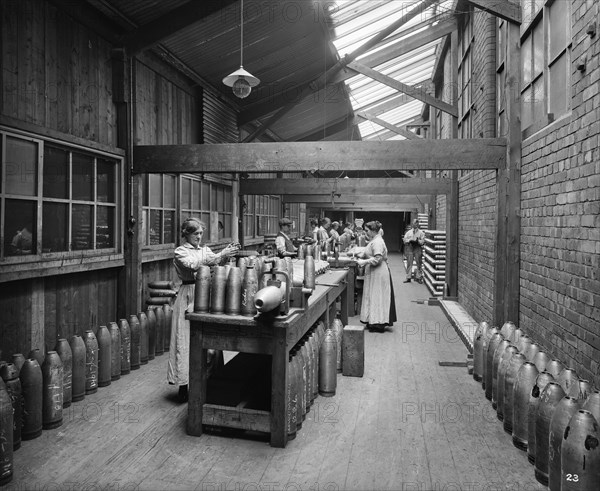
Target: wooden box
{"x": 353, "y": 351}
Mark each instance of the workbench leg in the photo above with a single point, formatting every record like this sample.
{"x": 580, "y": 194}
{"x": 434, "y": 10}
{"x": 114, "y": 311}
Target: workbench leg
{"x": 279, "y": 371}
{"x": 196, "y": 384}
{"x": 344, "y": 307}
{"x": 350, "y": 280}
{"x": 331, "y": 313}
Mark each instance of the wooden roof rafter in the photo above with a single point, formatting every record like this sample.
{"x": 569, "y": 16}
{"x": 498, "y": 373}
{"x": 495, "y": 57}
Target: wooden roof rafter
{"x": 381, "y": 56}
{"x": 321, "y": 81}
{"x": 417, "y": 93}
{"x": 394, "y": 129}
{"x": 150, "y": 34}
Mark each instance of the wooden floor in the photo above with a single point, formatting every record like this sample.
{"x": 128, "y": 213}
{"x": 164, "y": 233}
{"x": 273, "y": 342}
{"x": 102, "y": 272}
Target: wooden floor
{"x": 408, "y": 424}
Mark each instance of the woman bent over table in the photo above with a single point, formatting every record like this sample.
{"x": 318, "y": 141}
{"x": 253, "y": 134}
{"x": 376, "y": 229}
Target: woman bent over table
{"x": 378, "y": 308}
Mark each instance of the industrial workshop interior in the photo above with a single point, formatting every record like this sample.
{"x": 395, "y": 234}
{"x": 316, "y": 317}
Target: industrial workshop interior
{"x": 317, "y": 245}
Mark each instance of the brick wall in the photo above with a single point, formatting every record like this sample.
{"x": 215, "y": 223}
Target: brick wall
{"x": 476, "y": 243}
{"x": 477, "y": 189}
{"x": 560, "y": 225}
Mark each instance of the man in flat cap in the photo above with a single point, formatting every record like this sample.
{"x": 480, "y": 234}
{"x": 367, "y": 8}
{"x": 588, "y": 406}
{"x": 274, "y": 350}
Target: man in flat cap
{"x": 414, "y": 239}
{"x": 283, "y": 243}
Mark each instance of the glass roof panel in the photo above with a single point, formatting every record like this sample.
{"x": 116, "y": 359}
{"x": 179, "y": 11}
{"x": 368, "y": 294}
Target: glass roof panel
{"x": 358, "y": 21}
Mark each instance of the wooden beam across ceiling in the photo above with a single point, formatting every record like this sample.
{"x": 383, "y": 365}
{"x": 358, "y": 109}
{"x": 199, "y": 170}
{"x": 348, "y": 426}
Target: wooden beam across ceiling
{"x": 168, "y": 24}
{"x": 321, "y": 81}
{"x": 373, "y": 186}
{"x": 417, "y": 93}
{"x": 381, "y": 56}
{"x": 384, "y": 124}
{"x": 509, "y": 10}
{"x": 390, "y": 207}
{"x": 352, "y": 198}
{"x": 426, "y": 154}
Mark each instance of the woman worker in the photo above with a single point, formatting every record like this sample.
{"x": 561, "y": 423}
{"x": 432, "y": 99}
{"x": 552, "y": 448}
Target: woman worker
{"x": 378, "y": 307}
{"x": 189, "y": 256}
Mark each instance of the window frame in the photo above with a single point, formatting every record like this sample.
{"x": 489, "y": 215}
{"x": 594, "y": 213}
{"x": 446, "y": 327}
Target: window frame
{"x": 536, "y": 15}
{"x": 65, "y": 258}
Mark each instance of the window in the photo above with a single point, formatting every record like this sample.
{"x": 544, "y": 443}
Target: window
{"x": 465, "y": 99}
{"x": 546, "y": 61}
{"x": 249, "y": 216}
{"x": 55, "y": 198}
{"x": 267, "y": 215}
{"x": 293, "y": 212}
{"x": 501, "y": 77}
{"x": 202, "y": 199}
{"x": 159, "y": 206}
{"x": 194, "y": 193}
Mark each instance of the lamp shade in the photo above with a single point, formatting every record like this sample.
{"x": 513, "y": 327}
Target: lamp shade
{"x": 230, "y": 79}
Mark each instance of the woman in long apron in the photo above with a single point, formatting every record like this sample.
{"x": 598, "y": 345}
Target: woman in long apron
{"x": 378, "y": 308}
{"x": 189, "y": 256}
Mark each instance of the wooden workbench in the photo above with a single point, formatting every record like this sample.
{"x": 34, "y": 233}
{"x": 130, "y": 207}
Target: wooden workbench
{"x": 274, "y": 336}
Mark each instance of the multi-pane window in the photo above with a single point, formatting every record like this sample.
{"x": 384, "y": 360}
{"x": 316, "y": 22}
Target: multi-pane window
{"x": 221, "y": 201}
{"x": 501, "y": 77}
{"x": 465, "y": 99}
{"x": 249, "y": 222}
{"x": 159, "y": 206}
{"x": 267, "y": 214}
{"x": 292, "y": 211}
{"x": 546, "y": 61}
{"x": 209, "y": 201}
{"x": 195, "y": 192}
{"x": 55, "y": 198}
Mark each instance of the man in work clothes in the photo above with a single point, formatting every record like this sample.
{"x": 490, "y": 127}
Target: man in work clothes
{"x": 283, "y": 243}
{"x": 414, "y": 240}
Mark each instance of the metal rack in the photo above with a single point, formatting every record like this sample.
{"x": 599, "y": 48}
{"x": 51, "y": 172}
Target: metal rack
{"x": 434, "y": 261}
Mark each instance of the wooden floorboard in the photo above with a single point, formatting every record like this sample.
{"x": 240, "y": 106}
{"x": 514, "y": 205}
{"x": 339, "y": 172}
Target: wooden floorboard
{"x": 407, "y": 424}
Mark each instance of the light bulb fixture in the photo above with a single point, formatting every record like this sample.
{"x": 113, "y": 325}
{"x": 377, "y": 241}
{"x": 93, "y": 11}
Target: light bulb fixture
{"x": 241, "y": 81}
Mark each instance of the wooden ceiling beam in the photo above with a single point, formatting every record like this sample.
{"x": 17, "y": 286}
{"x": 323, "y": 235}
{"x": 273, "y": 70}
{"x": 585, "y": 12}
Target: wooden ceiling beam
{"x": 417, "y": 93}
{"x": 391, "y": 207}
{"x": 321, "y": 81}
{"x": 409, "y": 44}
{"x": 509, "y": 10}
{"x": 394, "y": 129}
{"x": 91, "y": 18}
{"x": 344, "y": 124}
{"x": 373, "y": 186}
{"x": 168, "y": 24}
{"x": 353, "y": 198}
{"x": 384, "y": 55}
{"x": 425, "y": 154}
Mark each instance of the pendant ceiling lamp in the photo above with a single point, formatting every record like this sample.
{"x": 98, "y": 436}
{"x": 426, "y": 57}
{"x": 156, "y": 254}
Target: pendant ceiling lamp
{"x": 241, "y": 81}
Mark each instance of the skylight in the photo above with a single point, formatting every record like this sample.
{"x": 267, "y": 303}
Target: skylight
{"x": 357, "y": 21}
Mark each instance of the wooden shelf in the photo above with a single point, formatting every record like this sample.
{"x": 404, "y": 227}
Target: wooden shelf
{"x": 434, "y": 261}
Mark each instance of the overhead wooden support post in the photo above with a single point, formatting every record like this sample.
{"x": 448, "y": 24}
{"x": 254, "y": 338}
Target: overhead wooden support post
{"x": 367, "y": 186}
{"x": 476, "y": 153}
{"x": 508, "y": 235}
{"x": 130, "y": 277}
{"x": 452, "y": 197}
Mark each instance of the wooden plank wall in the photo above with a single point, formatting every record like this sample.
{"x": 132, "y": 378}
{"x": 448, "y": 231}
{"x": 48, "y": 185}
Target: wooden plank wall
{"x": 55, "y": 77}
{"x": 167, "y": 113}
{"x": 36, "y": 313}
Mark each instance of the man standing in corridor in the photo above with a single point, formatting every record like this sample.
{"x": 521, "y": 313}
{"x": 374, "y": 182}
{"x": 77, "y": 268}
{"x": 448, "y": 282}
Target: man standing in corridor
{"x": 414, "y": 240}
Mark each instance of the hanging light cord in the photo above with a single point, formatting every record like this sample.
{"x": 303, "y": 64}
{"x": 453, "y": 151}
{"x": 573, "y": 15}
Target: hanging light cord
{"x": 242, "y": 33}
